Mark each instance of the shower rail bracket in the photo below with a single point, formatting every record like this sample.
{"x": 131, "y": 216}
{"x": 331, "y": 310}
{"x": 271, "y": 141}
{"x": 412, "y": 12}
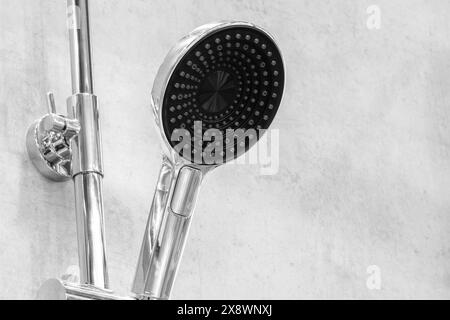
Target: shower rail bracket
{"x": 68, "y": 147}
{"x": 49, "y": 143}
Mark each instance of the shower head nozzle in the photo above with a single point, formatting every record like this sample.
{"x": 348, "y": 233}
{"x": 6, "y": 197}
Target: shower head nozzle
{"x": 224, "y": 77}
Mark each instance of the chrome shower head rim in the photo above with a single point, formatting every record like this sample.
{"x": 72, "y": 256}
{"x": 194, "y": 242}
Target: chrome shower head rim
{"x": 170, "y": 64}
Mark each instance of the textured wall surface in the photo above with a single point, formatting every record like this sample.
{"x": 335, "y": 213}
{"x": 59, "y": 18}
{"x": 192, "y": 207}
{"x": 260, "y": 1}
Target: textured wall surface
{"x": 364, "y": 176}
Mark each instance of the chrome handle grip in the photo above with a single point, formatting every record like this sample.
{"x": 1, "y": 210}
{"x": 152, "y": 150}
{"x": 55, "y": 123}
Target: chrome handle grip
{"x": 163, "y": 256}
{"x": 172, "y": 235}
{"x": 185, "y": 192}
{"x": 166, "y": 257}
{"x": 153, "y": 224}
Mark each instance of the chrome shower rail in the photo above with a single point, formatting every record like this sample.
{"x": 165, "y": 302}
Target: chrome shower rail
{"x": 80, "y": 46}
{"x": 87, "y": 165}
{"x": 69, "y": 147}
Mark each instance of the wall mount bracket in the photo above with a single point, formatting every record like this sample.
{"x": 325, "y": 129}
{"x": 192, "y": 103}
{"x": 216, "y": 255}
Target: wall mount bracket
{"x": 48, "y": 143}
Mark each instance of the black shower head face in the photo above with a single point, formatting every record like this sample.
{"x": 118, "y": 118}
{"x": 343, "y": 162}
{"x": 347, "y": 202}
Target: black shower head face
{"x": 222, "y": 94}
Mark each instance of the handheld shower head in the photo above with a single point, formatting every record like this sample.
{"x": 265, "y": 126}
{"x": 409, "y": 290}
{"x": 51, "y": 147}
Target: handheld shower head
{"x": 221, "y": 81}
{"x": 223, "y": 77}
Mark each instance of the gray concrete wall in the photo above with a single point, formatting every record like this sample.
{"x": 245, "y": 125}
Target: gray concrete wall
{"x": 364, "y": 175}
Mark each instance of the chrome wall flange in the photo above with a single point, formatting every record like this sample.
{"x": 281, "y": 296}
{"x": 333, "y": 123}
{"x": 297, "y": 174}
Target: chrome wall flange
{"x": 48, "y": 143}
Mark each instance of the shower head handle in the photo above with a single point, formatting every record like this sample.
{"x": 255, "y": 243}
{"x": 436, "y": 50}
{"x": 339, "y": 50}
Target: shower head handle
{"x": 167, "y": 228}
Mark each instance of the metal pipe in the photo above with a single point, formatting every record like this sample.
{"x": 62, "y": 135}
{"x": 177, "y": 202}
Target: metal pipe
{"x": 80, "y": 47}
{"x": 87, "y": 167}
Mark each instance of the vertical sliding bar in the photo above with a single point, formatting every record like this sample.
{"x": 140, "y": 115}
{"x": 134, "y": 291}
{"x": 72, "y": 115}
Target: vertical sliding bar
{"x": 80, "y": 46}
{"x": 87, "y": 167}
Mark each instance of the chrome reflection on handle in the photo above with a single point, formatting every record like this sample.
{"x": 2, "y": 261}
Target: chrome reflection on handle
{"x": 185, "y": 192}
{"x": 166, "y": 257}
{"x": 160, "y": 255}
{"x": 153, "y": 225}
